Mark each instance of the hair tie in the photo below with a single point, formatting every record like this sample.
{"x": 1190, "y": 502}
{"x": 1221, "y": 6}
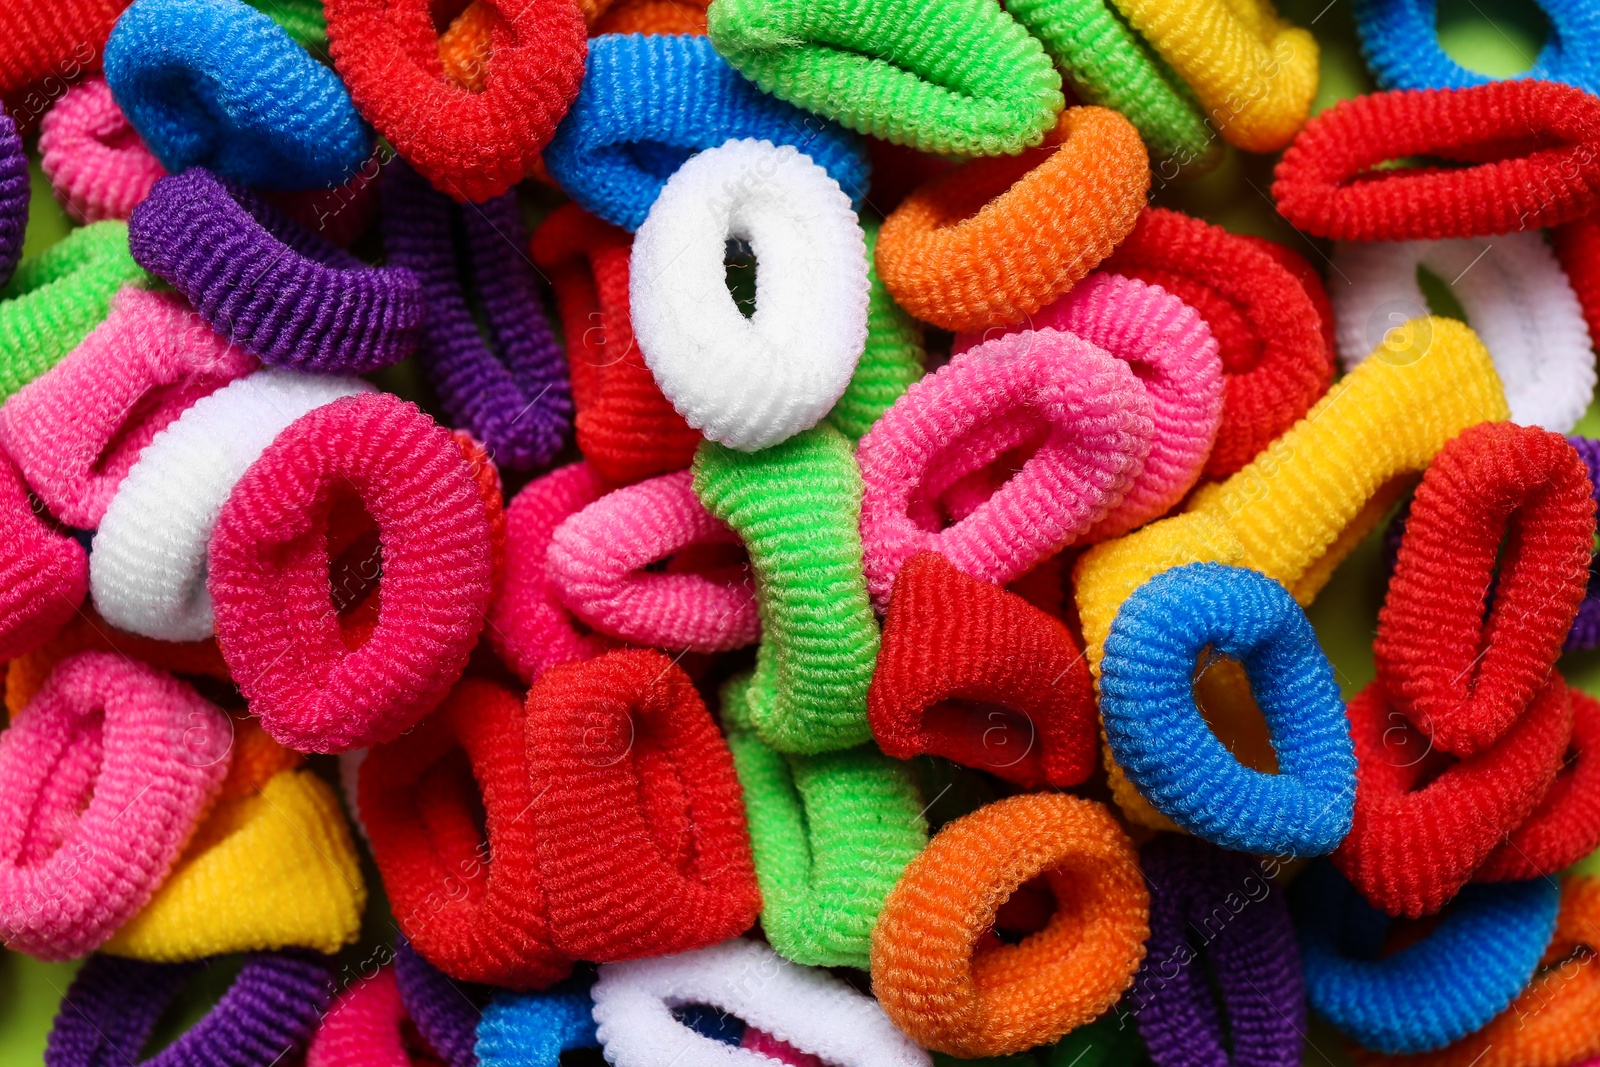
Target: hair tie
{"x": 1462, "y": 677}
{"x": 97, "y": 166}
{"x": 340, "y": 214}
{"x": 892, "y": 359}
{"x": 750, "y": 382}
{"x": 1400, "y": 40}
{"x": 1435, "y": 990}
{"x": 44, "y": 573}
{"x": 1049, "y": 216}
{"x": 624, "y": 751}
{"x": 1519, "y": 301}
{"x": 219, "y": 85}
{"x": 534, "y": 1029}
{"x": 268, "y": 284}
{"x": 653, "y": 16}
{"x": 62, "y": 39}
{"x": 1565, "y": 827}
{"x": 113, "y": 1006}
{"x": 445, "y": 1014}
{"x": 14, "y": 196}
{"x": 472, "y": 145}
{"x": 1577, "y": 248}
{"x": 301, "y": 19}
{"x": 365, "y": 1027}
{"x": 1532, "y": 149}
{"x": 510, "y": 392}
{"x": 797, "y": 507}
{"x": 806, "y": 1007}
{"x": 102, "y": 759}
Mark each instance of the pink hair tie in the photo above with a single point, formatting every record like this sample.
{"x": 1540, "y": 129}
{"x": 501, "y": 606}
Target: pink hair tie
{"x": 103, "y": 777}
{"x": 1176, "y": 359}
{"x": 276, "y": 621}
{"x": 1073, "y": 418}
{"x": 775, "y": 1049}
{"x": 77, "y": 429}
{"x": 44, "y": 574}
{"x": 364, "y": 1027}
{"x": 93, "y": 156}
{"x": 596, "y": 560}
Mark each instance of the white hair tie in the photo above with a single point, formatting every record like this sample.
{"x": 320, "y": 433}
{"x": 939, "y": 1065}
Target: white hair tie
{"x": 1511, "y": 287}
{"x": 147, "y": 569}
{"x": 751, "y": 383}
{"x": 806, "y": 1007}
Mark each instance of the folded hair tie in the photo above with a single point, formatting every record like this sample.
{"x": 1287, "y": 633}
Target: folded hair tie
{"x": 301, "y": 19}
{"x": 959, "y": 78}
{"x": 268, "y": 284}
{"x": 649, "y": 102}
{"x": 1514, "y": 291}
{"x": 806, "y": 1007}
{"x": 44, "y": 573}
{"x": 1565, "y": 827}
{"x": 445, "y": 1013}
{"x": 1400, "y": 40}
{"x": 641, "y": 836}
{"x": 219, "y": 85}
{"x": 510, "y": 391}
{"x": 14, "y": 196}
{"x": 471, "y": 145}
{"x": 951, "y": 988}
{"x": 1435, "y": 990}
{"x": 267, "y": 1014}
{"x": 365, "y": 1027}
{"x": 107, "y": 789}
{"x": 97, "y": 166}
{"x": 60, "y": 39}
{"x": 750, "y": 382}
{"x": 892, "y": 359}
{"x": 534, "y": 1029}
{"x": 797, "y": 507}
{"x": 1048, "y": 217}
{"x": 1505, "y": 506}
{"x": 1532, "y": 151}
{"x": 1577, "y": 248}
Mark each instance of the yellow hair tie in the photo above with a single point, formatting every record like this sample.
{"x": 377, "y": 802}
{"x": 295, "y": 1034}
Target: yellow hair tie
{"x": 1254, "y": 73}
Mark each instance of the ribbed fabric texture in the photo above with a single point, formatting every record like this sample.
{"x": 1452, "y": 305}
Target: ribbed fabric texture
{"x": 1565, "y": 827}
{"x": 1585, "y": 632}
{"x": 892, "y": 359}
{"x": 652, "y": 16}
{"x": 1577, "y": 247}
{"x": 445, "y": 1012}
{"x": 364, "y": 1026}
{"x": 1400, "y": 40}
{"x": 301, "y": 19}
{"x": 97, "y": 166}
{"x": 65, "y": 39}
{"x": 44, "y": 574}
{"x": 534, "y": 1029}
{"x": 14, "y": 194}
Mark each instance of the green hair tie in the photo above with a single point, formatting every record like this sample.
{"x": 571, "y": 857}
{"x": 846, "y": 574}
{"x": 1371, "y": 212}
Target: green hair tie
{"x": 954, "y": 77}
{"x": 1109, "y": 1041}
{"x": 796, "y": 506}
{"x": 302, "y": 20}
{"x": 57, "y": 297}
{"x": 891, "y": 361}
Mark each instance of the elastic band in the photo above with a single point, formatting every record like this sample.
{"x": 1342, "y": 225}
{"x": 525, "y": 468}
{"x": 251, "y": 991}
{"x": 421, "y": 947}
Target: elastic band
{"x": 97, "y": 166}
{"x": 62, "y": 40}
{"x": 622, "y": 748}
{"x": 1516, "y": 295}
{"x": 472, "y": 145}
{"x": 797, "y": 508}
{"x": 649, "y": 102}
{"x": 750, "y": 382}
{"x": 534, "y": 1029}
{"x": 269, "y": 285}
{"x": 892, "y": 359}
{"x": 1400, "y": 40}
{"x": 1532, "y": 147}
{"x": 301, "y": 19}
{"x": 365, "y": 1027}
{"x": 339, "y": 213}
{"x": 1585, "y": 632}
{"x": 992, "y": 241}
{"x": 14, "y": 196}
{"x": 445, "y": 1013}
{"x": 653, "y": 16}
{"x": 44, "y": 573}
{"x": 954, "y": 990}
{"x": 103, "y": 765}
{"x": 772, "y": 1048}
{"x": 1577, "y": 248}
{"x": 1565, "y": 827}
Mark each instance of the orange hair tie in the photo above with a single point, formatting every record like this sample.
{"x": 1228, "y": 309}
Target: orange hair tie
{"x": 652, "y": 16}
{"x": 992, "y": 241}
{"x": 952, "y": 986}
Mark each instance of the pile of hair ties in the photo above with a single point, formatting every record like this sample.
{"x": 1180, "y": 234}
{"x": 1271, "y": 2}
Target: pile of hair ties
{"x": 716, "y": 532}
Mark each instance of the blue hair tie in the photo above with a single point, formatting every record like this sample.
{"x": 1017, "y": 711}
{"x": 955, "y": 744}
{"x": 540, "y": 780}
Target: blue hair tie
{"x": 534, "y": 1029}
{"x": 1169, "y": 753}
{"x": 650, "y": 102}
{"x": 1401, "y": 42}
{"x": 217, "y": 84}
{"x": 1436, "y": 991}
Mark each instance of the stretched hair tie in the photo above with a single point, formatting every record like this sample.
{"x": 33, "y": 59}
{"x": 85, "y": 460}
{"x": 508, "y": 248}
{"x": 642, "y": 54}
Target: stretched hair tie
{"x": 268, "y": 284}
{"x": 649, "y": 102}
{"x": 444, "y": 1012}
{"x": 1514, "y": 291}
{"x": 1400, "y": 40}
{"x": 52, "y": 43}
{"x": 622, "y": 748}
{"x": 950, "y": 986}
{"x": 892, "y": 359}
{"x": 365, "y": 1027}
{"x": 44, "y": 573}
{"x": 1048, "y": 217}
{"x": 1327, "y": 184}
{"x": 301, "y": 19}
{"x": 113, "y": 1005}
{"x": 97, "y": 166}
{"x": 797, "y": 508}
{"x": 1577, "y": 247}
{"x": 534, "y": 1029}
{"x": 753, "y": 382}
{"x": 472, "y": 145}
{"x": 14, "y": 196}
{"x": 510, "y": 392}
{"x": 101, "y": 763}
{"x": 269, "y": 577}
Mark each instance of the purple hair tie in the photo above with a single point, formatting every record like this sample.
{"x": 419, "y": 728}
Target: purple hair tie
{"x": 1203, "y": 899}
{"x": 267, "y": 1014}
{"x": 268, "y": 284}
{"x": 443, "y": 1010}
{"x": 1585, "y": 632}
{"x": 13, "y": 196}
{"x": 511, "y": 391}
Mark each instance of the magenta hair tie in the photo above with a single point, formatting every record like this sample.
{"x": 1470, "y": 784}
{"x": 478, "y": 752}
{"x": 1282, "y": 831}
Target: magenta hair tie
{"x": 44, "y": 574}
{"x": 269, "y": 577}
{"x": 92, "y": 155}
{"x": 776, "y": 1049}
{"x": 77, "y": 429}
{"x": 1177, "y": 361}
{"x": 103, "y": 777}
{"x": 1075, "y": 420}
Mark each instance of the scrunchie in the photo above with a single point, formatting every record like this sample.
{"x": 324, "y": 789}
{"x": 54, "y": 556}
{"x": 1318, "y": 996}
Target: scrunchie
{"x": 14, "y": 196}
{"x": 269, "y": 577}
{"x": 268, "y": 284}
{"x": 44, "y": 573}
{"x": 534, "y": 1029}
{"x": 97, "y": 166}
{"x": 215, "y": 84}
{"x": 1400, "y": 41}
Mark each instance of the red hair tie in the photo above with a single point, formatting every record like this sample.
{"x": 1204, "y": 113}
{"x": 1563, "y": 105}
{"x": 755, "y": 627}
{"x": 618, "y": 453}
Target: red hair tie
{"x": 51, "y": 44}
{"x": 44, "y": 574}
{"x": 1577, "y": 246}
{"x": 643, "y": 847}
{"x": 973, "y": 673}
{"x": 1535, "y": 146}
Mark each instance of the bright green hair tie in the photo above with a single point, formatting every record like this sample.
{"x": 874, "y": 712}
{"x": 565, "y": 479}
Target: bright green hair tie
{"x": 56, "y": 297}
{"x": 796, "y": 506}
{"x": 950, "y": 77}
{"x": 301, "y": 19}
{"x": 891, "y": 361}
